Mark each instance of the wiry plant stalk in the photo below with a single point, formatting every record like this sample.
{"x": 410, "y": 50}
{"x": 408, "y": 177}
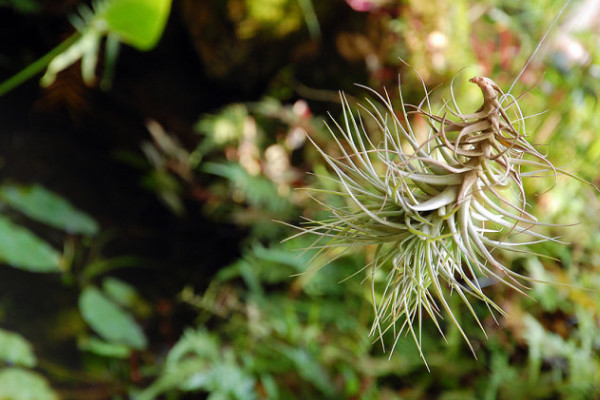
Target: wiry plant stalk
{"x": 429, "y": 207}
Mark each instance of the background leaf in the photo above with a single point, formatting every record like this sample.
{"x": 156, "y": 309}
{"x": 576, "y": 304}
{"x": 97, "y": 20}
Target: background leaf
{"x": 19, "y": 384}
{"x": 100, "y": 347}
{"x": 22, "y": 6}
{"x": 22, "y": 249}
{"x": 15, "y": 349}
{"x": 126, "y": 296}
{"x": 139, "y": 23}
{"x": 44, "y": 206}
{"x": 109, "y": 320}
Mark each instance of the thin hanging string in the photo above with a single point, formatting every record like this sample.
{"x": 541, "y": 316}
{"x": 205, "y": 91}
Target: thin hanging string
{"x": 564, "y": 7}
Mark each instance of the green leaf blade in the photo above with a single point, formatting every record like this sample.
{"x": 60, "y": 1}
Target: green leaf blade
{"x": 126, "y": 296}
{"x": 20, "y": 384}
{"x": 109, "y": 320}
{"x": 139, "y": 23}
{"x": 22, "y": 249}
{"x": 41, "y": 205}
{"x": 14, "y": 349}
{"x": 102, "y": 348}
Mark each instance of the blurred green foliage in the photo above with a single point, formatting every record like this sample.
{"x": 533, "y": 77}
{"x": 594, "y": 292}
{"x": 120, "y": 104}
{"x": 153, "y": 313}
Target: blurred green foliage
{"x": 24, "y": 6}
{"x": 22, "y": 248}
{"x": 17, "y": 381}
{"x": 19, "y": 384}
{"x": 281, "y": 322}
{"x": 110, "y": 313}
{"x": 138, "y": 23}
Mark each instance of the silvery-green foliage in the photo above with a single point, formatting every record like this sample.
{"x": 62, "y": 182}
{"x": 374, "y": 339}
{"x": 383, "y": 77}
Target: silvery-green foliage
{"x": 436, "y": 210}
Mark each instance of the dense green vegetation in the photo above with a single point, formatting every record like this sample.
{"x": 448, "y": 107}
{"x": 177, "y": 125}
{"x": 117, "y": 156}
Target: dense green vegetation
{"x": 149, "y": 214}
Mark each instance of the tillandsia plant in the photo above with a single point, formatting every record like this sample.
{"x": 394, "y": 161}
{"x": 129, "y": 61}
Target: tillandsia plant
{"x": 436, "y": 210}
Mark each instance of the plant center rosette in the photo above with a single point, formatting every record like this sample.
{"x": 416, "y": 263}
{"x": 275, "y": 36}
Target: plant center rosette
{"x": 435, "y": 210}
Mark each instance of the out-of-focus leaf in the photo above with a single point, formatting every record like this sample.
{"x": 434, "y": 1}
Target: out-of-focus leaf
{"x": 501, "y": 372}
{"x": 258, "y": 190}
{"x": 197, "y": 343}
{"x": 309, "y": 368}
{"x": 77, "y": 47}
{"x": 196, "y": 363}
{"x": 22, "y": 6}
{"x": 125, "y": 295}
{"x": 14, "y": 349}
{"x": 171, "y": 379}
{"x": 220, "y": 130}
{"x": 459, "y": 394}
{"x": 311, "y": 18}
{"x": 44, "y": 206}
{"x": 139, "y": 23}
{"x": 229, "y": 381}
{"x": 109, "y": 320}
{"x": 19, "y": 384}
{"x": 100, "y": 347}
{"x": 22, "y": 249}
{"x": 277, "y": 17}
{"x": 547, "y": 294}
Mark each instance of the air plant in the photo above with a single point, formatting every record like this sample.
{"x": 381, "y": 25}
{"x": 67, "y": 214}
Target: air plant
{"x": 436, "y": 211}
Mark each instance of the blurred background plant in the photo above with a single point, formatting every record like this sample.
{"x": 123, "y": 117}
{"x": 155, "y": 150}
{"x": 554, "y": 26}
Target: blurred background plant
{"x": 174, "y": 281}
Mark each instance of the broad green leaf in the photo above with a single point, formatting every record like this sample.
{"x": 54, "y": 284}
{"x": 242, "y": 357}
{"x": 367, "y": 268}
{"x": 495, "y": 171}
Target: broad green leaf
{"x": 22, "y": 249}
{"x": 109, "y": 320}
{"x": 44, "y": 206}
{"x": 125, "y": 295}
{"x": 20, "y": 384}
{"x": 100, "y": 347}
{"x": 14, "y": 349}
{"x": 139, "y": 23}
{"x": 120, "y": 292}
